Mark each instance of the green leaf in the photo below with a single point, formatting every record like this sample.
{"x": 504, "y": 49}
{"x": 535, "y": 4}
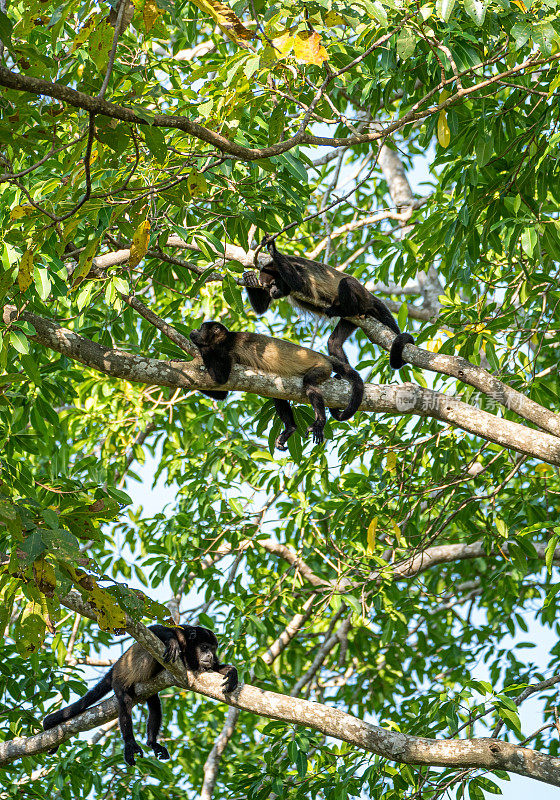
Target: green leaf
{"x": 155, "y": 140}
{"x": 549, "y": 552}
{"x": 42, "y": 282}
{"x": 406, "y": 43}
{"x": 6, "y": 28}
{"x": 232, "y": 293}
{"x": 445, "y": 8}
{"x": 19, "y": 342}
{"x": 476, "y": 9}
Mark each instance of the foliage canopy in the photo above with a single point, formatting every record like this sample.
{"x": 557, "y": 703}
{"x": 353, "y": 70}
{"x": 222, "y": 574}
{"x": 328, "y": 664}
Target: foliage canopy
{"x": 144, "y": 151}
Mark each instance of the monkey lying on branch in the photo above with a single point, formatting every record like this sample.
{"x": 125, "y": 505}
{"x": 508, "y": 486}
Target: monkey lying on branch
{"x": 322, "y": 290}
{"x": 195, "y": 646}
{"x": 220, "y": 348}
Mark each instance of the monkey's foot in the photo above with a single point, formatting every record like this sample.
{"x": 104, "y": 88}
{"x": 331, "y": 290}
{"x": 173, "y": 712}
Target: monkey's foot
{"x": 252, "y": 280}
{"x": 317, "y": 432}
{"x": 160, "y": 751}
{"x": 132, "y": 749}
{"x": 171, "y": 653}
{"x": 283, "y": 438}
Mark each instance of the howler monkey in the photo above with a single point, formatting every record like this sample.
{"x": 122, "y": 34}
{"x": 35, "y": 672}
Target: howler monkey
{"x": 220, "y": 348}
{"x": 321, "y": 289}
{"x": 195, "y": 646}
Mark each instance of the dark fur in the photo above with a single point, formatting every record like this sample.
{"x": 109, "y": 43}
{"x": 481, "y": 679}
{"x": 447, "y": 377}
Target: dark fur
{"x": 195, "y": 646}
{"x": 220, "y": 348}
{"x": 321, "y": 289}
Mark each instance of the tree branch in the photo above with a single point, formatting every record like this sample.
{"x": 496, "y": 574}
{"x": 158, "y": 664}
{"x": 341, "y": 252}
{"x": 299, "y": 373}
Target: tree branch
{"x": 391, "y": 399}
{"x": 487, "y": 754}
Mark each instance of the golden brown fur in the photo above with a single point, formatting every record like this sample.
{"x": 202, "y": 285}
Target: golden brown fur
{"x": 278, "y": 356}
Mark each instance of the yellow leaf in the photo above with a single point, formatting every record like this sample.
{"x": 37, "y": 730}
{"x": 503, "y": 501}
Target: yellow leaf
{"x": 85, "y": 32}
{"x": 44, "y": 575}
{"x": 227, "y": 21}
{"x": 18, "y": 212}
{"x": 24, "y": 278}
{"x": 151, "y": 14}
{"x": 196, "y": 184}
{"x": 444, "y": 95}
{"x": 139, "y": 246}
{"x": 391, "y": 461}
{"x": 332, "y": 19}
{"x": 401, "y": 541}
{"x": 308, "y": 48}
{"x": 283, "y": 44}
{"x": 109, "y": 613}
{"x": 443, "y": 132}
{"x": 372, "y": 528}
{"x": 84, "y": 264}
{"x": 520, "y": 4}
{"x": 433, "y": 345}
{"x": 544, "y": 469}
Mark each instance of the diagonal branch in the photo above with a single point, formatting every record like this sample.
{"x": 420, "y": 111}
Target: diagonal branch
{"x": 463, "y": 370}
{"x": 486, "y": 754}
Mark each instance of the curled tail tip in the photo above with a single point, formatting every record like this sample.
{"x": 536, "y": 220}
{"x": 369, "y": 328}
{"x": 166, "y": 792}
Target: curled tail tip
{"x": 396, "y": 359}
{"x": 355, "y": 398}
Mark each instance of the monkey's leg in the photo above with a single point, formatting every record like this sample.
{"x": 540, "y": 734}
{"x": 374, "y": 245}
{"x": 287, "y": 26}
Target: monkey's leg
{"x": 352, "y": 300}
{"x": 311, "y": 380}
{"x": 337, "y": 338}
{"x": 154, "y": 724}
{"x": 284, "y": 411}
{"x": 131, "y": 746}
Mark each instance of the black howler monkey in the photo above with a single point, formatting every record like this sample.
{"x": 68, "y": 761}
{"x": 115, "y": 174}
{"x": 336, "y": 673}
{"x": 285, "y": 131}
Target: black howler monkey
{"x": 220, "y": 348}
{"x": 195, "y": 646}
{"x": 316, "y": 287}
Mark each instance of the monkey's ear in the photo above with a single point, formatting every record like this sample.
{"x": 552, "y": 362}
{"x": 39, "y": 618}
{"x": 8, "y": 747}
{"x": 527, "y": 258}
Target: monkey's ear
{"x": 192, "y": 634}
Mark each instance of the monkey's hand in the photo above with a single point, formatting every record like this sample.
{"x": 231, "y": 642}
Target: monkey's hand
{"x": 132, "y": 748}
{"x": 160, "y": 751}
{"x": 252, "y": 280}
{"x": 172, "y": 651}
{"x": 332, "y": 311}
{"x": 317, "y": 431}
{"x": 230, "y": 681}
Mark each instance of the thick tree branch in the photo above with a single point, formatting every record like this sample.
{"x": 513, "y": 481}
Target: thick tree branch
{"x": 463, "y": 370}
{"x": 487, "y": 754}
{"x": 396, "y": 400}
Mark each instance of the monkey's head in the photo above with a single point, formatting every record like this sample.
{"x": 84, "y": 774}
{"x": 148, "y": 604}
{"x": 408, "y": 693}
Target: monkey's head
{"x": 199, "y": 647}
{"x": 210, "y": 334}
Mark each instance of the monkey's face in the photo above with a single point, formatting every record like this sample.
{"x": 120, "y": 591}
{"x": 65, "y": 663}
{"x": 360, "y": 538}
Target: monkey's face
{"x": 205, "y": 655}
{"x": 209, "y": 334}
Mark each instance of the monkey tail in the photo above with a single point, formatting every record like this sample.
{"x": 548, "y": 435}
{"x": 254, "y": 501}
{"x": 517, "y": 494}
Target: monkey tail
{"x": 346, "y": 371}
{"x": 69, "y": 712}
{"x": 396, "y": 359}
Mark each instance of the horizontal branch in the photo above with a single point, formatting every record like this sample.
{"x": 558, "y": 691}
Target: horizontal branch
{"x": 389, "y": 399}
{"x": 487, "y": 754}
{"x": 448, "y": 553}
{"x": 96, "y": 105}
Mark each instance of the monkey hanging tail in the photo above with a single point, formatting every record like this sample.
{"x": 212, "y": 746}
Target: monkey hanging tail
{"x": 355, "y": 379}
{"x": 69, "y": 712}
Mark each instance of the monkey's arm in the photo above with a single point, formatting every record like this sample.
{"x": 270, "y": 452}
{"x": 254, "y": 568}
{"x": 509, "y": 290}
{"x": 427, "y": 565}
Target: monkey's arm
{"x": 259, "y": 298}
{"x": 218, "y": 363}
{"x": 231, "y": 678}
